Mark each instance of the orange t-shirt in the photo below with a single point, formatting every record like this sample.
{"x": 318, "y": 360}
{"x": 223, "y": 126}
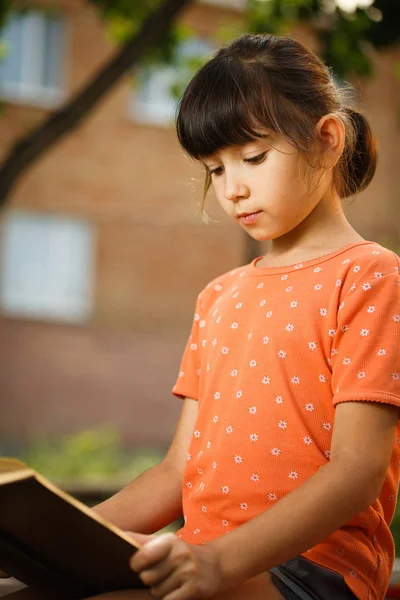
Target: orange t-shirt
{"x": 271, "y": 352}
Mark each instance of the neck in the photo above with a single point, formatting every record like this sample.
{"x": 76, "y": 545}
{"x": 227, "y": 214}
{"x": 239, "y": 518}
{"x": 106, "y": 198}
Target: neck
{"x": 324, "y": 230}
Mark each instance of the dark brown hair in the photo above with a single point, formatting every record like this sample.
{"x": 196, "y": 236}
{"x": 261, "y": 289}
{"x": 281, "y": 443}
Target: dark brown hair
{"x": 267, "y": 82}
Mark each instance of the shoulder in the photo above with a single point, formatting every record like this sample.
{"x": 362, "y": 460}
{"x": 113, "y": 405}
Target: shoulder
{"x": 218, "y": 286}
{"x": 368, "y": 262}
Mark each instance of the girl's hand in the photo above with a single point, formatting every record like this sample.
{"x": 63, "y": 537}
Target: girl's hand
{"x": 175, "y": 570}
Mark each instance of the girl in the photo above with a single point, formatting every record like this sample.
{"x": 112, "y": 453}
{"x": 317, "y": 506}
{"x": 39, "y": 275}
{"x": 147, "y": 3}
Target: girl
{"x": 285, "y": 456}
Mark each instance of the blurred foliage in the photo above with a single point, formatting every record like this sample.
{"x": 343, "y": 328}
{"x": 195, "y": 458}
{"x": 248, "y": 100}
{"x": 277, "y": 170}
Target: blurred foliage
{"x": 89, "y": 455}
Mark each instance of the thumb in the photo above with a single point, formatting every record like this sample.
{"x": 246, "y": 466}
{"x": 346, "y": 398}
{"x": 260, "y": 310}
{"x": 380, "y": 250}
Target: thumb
{"x": 140, "y": 538}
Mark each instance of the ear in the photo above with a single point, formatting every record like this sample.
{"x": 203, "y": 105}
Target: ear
{"x": 330, "y": 129}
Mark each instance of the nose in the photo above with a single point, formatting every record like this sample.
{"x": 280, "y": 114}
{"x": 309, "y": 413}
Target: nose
{"x": 235, "y": 190}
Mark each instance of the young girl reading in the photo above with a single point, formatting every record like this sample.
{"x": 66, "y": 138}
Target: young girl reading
{"x": 286, "y": 456}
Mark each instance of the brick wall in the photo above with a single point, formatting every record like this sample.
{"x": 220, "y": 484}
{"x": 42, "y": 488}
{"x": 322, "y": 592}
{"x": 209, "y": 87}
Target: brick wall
{"x": 153, "y": 253}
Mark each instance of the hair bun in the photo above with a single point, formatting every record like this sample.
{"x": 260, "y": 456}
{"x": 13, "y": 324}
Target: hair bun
{"x": 361, "y": 155}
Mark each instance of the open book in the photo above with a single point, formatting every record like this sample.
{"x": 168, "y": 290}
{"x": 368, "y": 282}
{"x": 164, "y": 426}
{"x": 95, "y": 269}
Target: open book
{"x": 53, "y": 542}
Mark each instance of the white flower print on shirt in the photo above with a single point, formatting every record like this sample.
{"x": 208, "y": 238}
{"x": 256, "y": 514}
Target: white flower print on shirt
{"x": 235, "y": 295}
{"x": 197, "y": 433}
{"x": 234, "y": 325}
{"x": 225, "y": 350}
{"x": 346, "y": 260}
{"x": 216, "y": 419}
{"x": 377, "y": 275}
{"x": 307, "y": 440}
{"x": 204, "y": 508}
{"x": 272, "y": 496}
{"x": 352, "y": 288}
{"x": 239, "y": 393}
{"x": 279, "y": 400}
{"x": 281, "y": 354}
{"x": 361, "y": 374}
{"x": 208, "y": 444}
{"x": 295, "y": 380}
{"x": 263, "y": 302}
{"x": 202, "y": 324}
{"x": 323, "y": 312}
{"x": 289, "y": 288}
{"x": 396, "y": 318}
{"x": 371, "y": 309}
{"x": 249, "y": 336}
{"x": 229, "y": 429}
{"x": 197, "y": 317}
{"x": 322, "y": 378}
{"x": 268, "y": 314}
{"x": 255, "y": 477}
{"x": 181, "y": 374}
{"x": 266, "y": 380}
{"x": 214, "y": 342}
{"x": 289, "y": 327}
{"x": 252, "y": 410}
{"x": 364, "y": 332}
{"x": 193, "y": 346}
{"x": 293, "y": 475}
{"x": 338, "y": 282}
{"x": 294, "y": 304}
{"x": 260, "y": 285}
{"x": 265, "y": 339}
{"x": 253, "y": 363}
{"x": 299, "y": 266}
{"x": 366, "y": 287}
{"x": 282, "y": 425}
{"x": 284, "y": 277}
{"x": 395, "y": 376}
{"x": 225, "y": 523}
{"x": 331, "y": 332}
{"x": 217, "y": 395}
{"x": 218, "y": 319}
{"x": 317, "y": 270}
{"x": 238, "y": 459}
{"x": 276, "y": 451}
{"x": 225, "y": 489}
{"x": 381, "y": 352}
{"x": 318, "y": 287}
{"x": 327, "y": 454}
{"x": 218, "y": 287}
{"x": 309, "y": 407}
{"x": 344, "y": 328}
{"x": 214, "y": 465}
{"x": 239, "y": 305}
{"x": 312, "y": 345}
{"x": 346, "y": 361}
{"x": 327, "y": 426}
{"x": 243, "y": 505}
{"x": 356, "y": 269}
{"x": 234, "y": 372}
{"x": 253, "y": 437}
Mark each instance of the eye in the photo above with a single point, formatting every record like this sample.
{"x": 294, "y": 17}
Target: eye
{"x": 216, "y": 171}
{"x": 255, "y": 159}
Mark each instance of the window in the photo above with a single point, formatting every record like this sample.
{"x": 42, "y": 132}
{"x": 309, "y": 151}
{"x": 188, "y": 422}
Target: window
{"x": 47, "y": 264}
{"x": 32, "y": 67}
{"x": 152, "y": 99}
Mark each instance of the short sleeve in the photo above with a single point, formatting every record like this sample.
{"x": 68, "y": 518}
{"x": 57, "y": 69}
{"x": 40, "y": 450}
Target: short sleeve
{"x": 365, "y": 351}
{"x": 187, "y": 384}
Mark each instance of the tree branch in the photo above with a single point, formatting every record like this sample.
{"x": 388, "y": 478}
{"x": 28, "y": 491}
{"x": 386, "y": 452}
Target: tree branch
{"x": 29, "y": 148}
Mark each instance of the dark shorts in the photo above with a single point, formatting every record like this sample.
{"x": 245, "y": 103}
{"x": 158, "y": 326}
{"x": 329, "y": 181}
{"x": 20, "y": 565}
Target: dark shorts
{"x": 301, "y": 579}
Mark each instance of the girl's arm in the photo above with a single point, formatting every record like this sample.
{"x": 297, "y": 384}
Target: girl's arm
{"x": 362, "y": 444}
{"x": 154, "y": 499}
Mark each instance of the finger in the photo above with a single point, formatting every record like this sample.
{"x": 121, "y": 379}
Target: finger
{"x": 152, "y": 552}
{"x": 169, "y": 585}
{"x": 157, "y": 574}
{"x": 140, "y": 538}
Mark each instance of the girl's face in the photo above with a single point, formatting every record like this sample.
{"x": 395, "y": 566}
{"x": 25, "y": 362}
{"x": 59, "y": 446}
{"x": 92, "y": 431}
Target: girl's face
{"x": 264, "y": 180}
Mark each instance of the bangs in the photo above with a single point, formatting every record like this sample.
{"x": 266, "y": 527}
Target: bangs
{"x": 227, "y": 103}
